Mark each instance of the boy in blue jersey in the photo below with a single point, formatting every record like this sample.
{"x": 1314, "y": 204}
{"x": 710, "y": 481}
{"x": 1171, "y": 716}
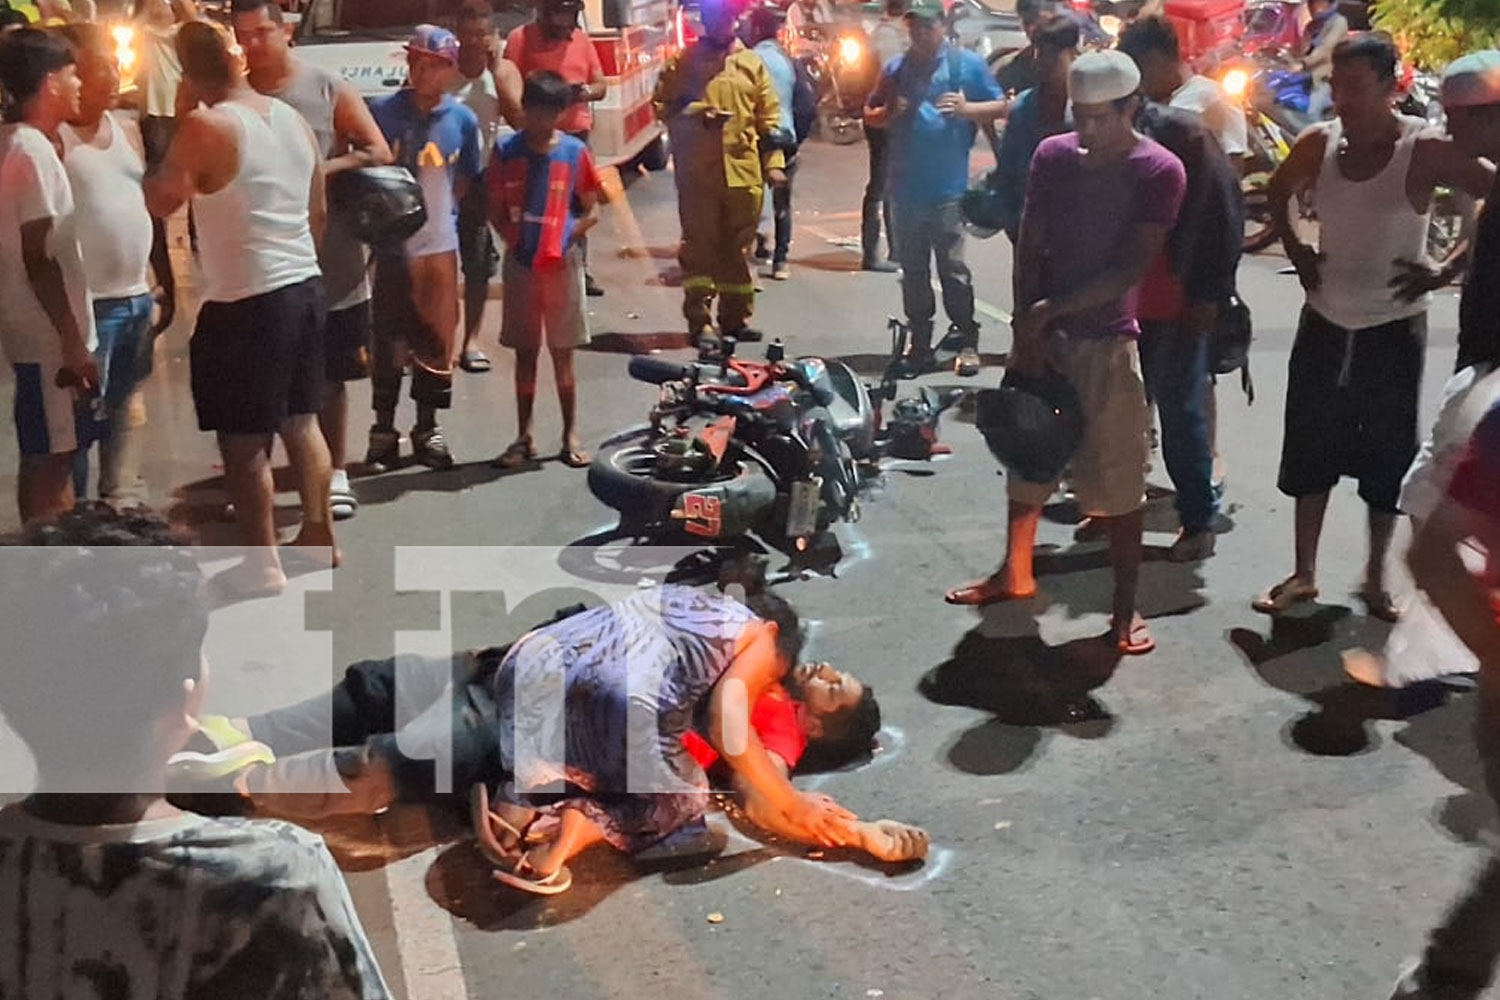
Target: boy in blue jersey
{"x": 543, "y": 197}
{"x": 416, "y": 285}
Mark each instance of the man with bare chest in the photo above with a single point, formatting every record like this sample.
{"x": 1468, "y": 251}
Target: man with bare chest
{"x": 1356, "y": 365}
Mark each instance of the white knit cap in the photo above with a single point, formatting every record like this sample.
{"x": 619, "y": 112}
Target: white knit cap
{"x": 1101, "y": 77}
{"x": 1472, "y": 80}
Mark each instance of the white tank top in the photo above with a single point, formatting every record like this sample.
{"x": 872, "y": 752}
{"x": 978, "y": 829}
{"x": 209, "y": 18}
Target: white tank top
{"x": 1366, "y": 227}
{"x": 115, "y": 234}
{"x": 257, "y": 236}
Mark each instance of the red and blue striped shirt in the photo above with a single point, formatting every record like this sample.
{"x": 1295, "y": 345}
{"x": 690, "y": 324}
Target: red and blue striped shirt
{"x": 534, "y": 197}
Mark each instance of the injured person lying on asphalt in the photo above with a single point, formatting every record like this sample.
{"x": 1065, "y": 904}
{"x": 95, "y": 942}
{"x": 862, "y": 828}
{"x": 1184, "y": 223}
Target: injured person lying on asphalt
{"x": 601, "y": 725}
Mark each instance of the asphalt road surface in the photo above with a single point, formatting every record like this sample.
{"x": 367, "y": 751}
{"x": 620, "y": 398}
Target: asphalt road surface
{"x": 1227, "y": 818}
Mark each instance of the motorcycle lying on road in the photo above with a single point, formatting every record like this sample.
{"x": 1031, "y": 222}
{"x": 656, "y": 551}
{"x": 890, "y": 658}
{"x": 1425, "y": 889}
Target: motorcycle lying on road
{"x": 739, "y": 447}
{"x": 779, "y": 449}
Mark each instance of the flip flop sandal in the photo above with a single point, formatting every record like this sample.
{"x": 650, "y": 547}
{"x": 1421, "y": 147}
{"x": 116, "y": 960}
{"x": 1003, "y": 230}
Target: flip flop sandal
{"x": 976, "y": 595}
{"x": 474, "y": 361}
{"x": 342, "y": 504}
{"x": 558, "y": 882}
{"x": 519, "y": 453}
{"x": 1137, "y": 642}
{"x": 1283, "y": 596}
{"x": 1379, "y": 605}
{"x": 488, "y": 827}
{"x": 575, "y": 458}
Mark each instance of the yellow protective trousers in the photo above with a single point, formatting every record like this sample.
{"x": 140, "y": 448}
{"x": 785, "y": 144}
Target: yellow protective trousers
{"x": 718, "y": 231}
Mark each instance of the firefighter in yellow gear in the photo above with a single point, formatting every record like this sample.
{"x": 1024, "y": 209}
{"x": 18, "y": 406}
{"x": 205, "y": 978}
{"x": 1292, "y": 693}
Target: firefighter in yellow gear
{"x": 718, "y": 102}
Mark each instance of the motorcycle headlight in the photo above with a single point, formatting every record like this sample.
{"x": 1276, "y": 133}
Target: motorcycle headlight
{"x": 1235, "y": 82}
{"x": 1111, "y": 25}
{"x": 124, "y": 39}
{"x": 851, "y": 51}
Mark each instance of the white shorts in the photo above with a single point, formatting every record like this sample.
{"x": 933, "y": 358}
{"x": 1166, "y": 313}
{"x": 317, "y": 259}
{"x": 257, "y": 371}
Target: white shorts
{"x": 51, "y": 420}
{"x": 1466, "y": 399}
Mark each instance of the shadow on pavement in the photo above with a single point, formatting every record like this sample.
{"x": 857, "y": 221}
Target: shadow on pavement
{"x": 639, "y": 343}
{"x": 1302, "y": 657}
{"x": 1028, "y": 686}
{"x": 460, "y": 882}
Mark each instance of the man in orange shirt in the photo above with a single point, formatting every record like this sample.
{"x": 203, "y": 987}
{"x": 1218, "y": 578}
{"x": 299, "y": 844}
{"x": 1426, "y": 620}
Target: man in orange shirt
{"x": 555, "y": 42}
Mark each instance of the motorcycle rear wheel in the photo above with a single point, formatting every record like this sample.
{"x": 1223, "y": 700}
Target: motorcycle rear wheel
{"x": 623, "y": 477}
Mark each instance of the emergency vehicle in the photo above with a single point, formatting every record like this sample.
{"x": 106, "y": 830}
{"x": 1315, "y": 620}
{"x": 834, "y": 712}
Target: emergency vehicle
{"x": 362, "y": 41}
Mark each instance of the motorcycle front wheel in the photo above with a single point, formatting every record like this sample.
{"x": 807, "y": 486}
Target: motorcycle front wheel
{"x": 840, "y": 128}
{"x": 1260, "y": 231}
{"x": 624, "y": 476}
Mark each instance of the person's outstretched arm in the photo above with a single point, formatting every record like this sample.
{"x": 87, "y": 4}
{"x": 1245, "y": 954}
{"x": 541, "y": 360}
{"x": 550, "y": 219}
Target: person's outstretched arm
{"x": 885, "y": 840}
{"x": 755, "y": 668}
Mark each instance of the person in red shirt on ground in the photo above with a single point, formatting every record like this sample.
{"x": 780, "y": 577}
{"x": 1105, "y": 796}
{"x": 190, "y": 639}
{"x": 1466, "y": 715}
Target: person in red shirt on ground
{"x": 555, "y": 42}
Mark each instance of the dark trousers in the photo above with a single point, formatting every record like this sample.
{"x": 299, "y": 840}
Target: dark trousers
{"x": 1175, "y": 367}
{"x": 925, "y": 233}
{"x": 876, "y": 208}
{"x": 1462, "y": 954}
{"x": 781, "y": 214}
{"x": 454, "y": 729}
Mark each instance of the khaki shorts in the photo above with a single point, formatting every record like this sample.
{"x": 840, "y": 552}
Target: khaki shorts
{"x": 543, "y": 307}
{"x": 1108, "y": 472}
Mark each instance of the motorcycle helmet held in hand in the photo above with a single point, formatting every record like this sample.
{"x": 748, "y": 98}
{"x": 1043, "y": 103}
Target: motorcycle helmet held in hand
{"x": 980, "y": 208}
{"x": 381, "y": 206}
{"x": 1032, "y": 424}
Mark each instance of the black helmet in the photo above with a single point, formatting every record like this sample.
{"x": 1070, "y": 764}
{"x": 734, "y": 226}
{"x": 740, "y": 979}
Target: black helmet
{"x": 981, "y": 209}
{"x": 381, "y": 206}
{"x": 1032, "y": 424}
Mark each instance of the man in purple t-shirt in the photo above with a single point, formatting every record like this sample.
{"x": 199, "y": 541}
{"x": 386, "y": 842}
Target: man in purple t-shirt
{"x": 1075, "y": 293}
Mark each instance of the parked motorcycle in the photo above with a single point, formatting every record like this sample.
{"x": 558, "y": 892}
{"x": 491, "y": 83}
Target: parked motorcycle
{"x": 734, "y": 447}
{"x": 844, "y": 73}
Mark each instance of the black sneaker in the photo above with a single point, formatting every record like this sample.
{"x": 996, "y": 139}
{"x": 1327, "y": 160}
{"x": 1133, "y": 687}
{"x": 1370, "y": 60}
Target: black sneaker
{"x": 879, "y": 266}
{"x": 748, "y": 335}
{"x": 591, "y": 288}
{"x": 384, "y": 453}
{"x": 429, "y": 448}
{"x": 914, "y": 363}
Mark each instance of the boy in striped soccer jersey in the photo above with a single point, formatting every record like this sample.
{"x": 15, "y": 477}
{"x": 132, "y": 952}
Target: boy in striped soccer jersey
{"x": 543, "y": 197}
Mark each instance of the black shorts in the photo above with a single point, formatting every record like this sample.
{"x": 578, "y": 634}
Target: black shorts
{"x": 259, "y": 360}
{"x": 346, "y": 343}
{"x": 1351, "y": 408}
{"x": 477, "y": 254}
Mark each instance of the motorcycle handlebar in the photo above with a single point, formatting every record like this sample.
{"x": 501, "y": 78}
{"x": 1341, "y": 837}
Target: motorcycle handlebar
{"x": 657, "y": 371}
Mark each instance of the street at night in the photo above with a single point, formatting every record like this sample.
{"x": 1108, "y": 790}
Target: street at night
{"x": 1227, "y": 817}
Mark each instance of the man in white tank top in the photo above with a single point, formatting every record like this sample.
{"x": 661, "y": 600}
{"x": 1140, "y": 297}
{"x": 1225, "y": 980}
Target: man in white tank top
{"x": 350, "y": 139}
{"x": 253, "y": 171}
{"x": 104, "y": 157}
{"x": 1356, "y": 365}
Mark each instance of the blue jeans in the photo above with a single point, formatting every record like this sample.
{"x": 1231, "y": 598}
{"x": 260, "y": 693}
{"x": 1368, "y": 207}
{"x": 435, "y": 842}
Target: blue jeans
{"x": 124, "y": 357}
{"x": 1175, "y": 368}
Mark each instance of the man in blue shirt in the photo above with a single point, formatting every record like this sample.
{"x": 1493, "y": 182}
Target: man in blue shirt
{"x": 415, "y": 298}
{"x": 794, "y": 93}
{"x": 929, "y": 101}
